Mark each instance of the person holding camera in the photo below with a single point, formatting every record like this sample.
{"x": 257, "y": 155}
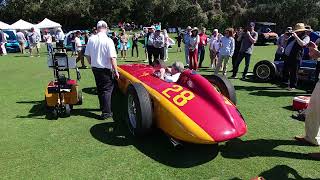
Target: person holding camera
{"x": 281, "y": 44}
{"x": 293, "y": 53}
{"x": 247, "y": 38}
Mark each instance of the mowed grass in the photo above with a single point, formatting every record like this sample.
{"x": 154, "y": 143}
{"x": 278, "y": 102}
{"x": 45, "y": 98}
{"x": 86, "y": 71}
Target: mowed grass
{"x": 81, "y": 147}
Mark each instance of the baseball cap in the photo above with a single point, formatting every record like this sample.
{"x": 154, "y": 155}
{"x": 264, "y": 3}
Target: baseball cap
{"x": 102, "y": 24}
{"x": 251, "y": 24}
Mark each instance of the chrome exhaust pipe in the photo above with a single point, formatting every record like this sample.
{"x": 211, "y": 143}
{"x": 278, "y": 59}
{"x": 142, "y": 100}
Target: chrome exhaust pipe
{"x": 176, "y": 143}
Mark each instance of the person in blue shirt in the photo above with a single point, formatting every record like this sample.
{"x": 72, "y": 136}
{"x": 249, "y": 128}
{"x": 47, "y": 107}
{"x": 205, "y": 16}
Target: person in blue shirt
{"x": 226, "y": 50}
{"x": 186, "y": 41}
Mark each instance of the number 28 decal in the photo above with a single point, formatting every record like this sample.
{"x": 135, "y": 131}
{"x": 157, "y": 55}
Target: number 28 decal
{"x": 181, "y": 96}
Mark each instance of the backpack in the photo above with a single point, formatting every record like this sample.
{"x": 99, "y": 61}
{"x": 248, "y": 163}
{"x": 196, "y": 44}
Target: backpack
{"x": 33, "y": 38}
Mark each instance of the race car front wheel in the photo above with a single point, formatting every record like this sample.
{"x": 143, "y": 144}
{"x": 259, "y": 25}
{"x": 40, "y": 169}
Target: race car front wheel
{"x": 224, "y": 86}
{"x": 139, "y": 110}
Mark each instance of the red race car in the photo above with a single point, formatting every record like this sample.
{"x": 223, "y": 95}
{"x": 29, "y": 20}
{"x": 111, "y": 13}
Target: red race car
{"x": 194, "y": 109}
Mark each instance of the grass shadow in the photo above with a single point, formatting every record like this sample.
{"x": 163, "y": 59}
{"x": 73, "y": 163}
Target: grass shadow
{"x": 255, "y": 88}
{"x": 238, "y": 149}
{"x": 290, "y": 108}
{"x": 37, "y": 110}
{"x": 277, "y": 93}
{"x": 134, "y": 61}
{"x": 156, "y": 145}
{"x": 85, "y": 113}
{"x": 90, "y": 90}
{"x": 24, "y": 56}
{"x": 283, "y": 172}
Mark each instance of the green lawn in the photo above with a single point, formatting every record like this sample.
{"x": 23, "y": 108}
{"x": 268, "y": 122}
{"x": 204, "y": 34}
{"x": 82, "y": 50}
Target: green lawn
{"x": 81, "y": 147}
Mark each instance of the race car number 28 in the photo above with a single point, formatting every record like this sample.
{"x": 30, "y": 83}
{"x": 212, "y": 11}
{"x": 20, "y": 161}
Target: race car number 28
{"x": 181, "y": 96}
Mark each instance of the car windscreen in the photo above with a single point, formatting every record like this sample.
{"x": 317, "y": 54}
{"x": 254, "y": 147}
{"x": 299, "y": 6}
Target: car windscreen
{"x": 11, "y": 35}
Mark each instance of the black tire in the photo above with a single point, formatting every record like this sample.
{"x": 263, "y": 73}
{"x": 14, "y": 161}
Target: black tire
{"x": 264, "y": 71}
{"x": 46, "y": 103}
{"x": 139, "y": 110}
{"x": 66, "y": 111}
{"x": 224, "y": 86}
{"x": 53, "y": 113}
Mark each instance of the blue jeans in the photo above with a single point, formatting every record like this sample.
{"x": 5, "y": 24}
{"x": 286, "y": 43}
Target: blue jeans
{"x": 49, "y": 48}
{"x": 186, "y": 51}
{"x": 239, "y": 60}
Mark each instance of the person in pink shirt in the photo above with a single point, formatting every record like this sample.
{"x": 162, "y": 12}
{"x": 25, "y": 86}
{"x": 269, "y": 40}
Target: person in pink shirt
{"x": 202, "y": 45}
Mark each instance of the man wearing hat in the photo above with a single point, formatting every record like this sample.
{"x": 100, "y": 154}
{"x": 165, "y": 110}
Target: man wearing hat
{"x": 59, "y": 38}
{"x": 158, "y": 44}
{"x": 293, "y": 54}
{"x": 193, "y": 48}
{"x": 101, "y": 55}
{"x": 149, "y": 43}
{"x": 247, "y": 38}
{"x": 214, "y": 47}
{"x": 186, "y": 41}
{"x": 202, "y": 45}
{"x": 281, "y": 43}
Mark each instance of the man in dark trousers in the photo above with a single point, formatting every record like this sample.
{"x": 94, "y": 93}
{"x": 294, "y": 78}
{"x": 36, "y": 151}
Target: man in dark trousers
{"x": 293, "y": 54}
{"x": 101, "y": 55}
{"x": 158, "y": 44}
{"x": 236, "y": 47}
{"x": 150, "y": 48}
{"x": 202, "y": 45}
{"x": 247, "y": 38}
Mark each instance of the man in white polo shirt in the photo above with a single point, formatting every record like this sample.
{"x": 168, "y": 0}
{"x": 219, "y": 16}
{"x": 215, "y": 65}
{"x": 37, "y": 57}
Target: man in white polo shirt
{"x": 101, "y": 55}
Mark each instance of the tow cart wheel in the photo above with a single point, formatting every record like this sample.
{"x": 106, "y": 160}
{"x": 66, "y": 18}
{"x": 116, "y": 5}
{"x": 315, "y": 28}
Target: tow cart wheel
{"x": 67, "y": 110}
{"x": 139, "y": 110}
{"x": 54, "y": 113}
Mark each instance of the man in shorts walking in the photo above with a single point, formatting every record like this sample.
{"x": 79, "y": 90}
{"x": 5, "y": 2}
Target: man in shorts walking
{"x": 34, "y": 42}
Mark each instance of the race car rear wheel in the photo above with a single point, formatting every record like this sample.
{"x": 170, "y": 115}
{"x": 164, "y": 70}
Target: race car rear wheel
{"x": 139, "y": 110}
{"x": 264, "y": 71}
{"x": 224, "y": 86}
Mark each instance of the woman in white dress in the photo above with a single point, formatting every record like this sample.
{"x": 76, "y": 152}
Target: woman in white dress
{"x": 312, "y": 122}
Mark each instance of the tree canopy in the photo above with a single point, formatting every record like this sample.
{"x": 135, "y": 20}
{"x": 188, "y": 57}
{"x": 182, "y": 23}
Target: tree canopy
{"x": 209, "y": 13}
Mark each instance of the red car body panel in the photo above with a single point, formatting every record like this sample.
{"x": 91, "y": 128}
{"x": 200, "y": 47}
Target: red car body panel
{"x": 209, "y": 109}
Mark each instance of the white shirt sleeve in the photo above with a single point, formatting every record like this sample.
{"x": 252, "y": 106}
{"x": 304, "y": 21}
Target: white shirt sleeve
{"x": 112, "y": 50}
{"x": 306, "y": 41}
{"x": 172, "y": 78}
{"x": 78, "y": 43}
{"x": 232, "y": 46}
{"x": 88, "y": 48}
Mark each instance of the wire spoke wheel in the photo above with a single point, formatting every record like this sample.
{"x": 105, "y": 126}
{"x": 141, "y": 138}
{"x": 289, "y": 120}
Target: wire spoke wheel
{"x": 263, "y": 71}
{"x": 132, "y": 111}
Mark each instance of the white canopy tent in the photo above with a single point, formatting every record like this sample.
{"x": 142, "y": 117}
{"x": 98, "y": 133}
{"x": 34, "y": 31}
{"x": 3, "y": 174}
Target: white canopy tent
{"x": 23, "y": 25}
{"x": 4, "y": 25}
{"x": 47, "y": 23}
